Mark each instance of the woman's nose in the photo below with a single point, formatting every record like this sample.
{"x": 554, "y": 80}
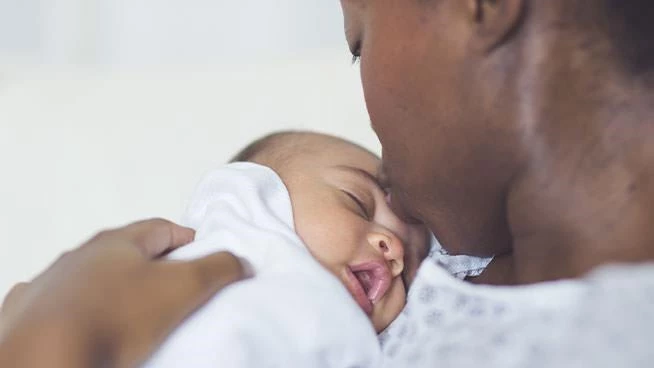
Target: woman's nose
{"x": 391, "y": 248}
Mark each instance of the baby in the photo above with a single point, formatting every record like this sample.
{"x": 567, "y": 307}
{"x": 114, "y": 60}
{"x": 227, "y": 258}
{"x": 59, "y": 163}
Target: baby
{"x": 286, "y": 201}
{"x": 342, "y": 214}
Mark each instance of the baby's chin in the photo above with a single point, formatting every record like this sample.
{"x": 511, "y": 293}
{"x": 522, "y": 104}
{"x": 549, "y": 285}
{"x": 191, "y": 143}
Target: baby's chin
{"x": 380, "y": 324}
{"x": 381, "y": 320}
{"x": 389, "y": 308}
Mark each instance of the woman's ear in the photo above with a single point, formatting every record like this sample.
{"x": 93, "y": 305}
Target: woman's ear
{"x": 495, "y": 20}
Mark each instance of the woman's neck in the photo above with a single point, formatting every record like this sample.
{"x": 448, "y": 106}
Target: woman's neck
{"x": 586, "y": 194}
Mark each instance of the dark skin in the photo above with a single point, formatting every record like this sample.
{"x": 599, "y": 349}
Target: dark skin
{"x": 510, "y": 129}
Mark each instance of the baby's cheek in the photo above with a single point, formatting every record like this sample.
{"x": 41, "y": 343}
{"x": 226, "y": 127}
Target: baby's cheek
{"x": 390, "y": 307}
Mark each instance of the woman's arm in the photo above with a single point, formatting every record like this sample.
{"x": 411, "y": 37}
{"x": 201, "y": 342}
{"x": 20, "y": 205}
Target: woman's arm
{"x": 110, "y": 302}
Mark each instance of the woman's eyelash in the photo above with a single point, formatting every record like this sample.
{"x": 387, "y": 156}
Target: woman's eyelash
{"x": 356, "y": 53}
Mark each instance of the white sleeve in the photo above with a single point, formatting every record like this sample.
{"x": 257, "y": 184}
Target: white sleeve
{"x": 460, "y": 266}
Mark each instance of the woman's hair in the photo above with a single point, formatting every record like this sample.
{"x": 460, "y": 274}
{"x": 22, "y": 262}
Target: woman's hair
{"x": 626, "y": 26}
{"x": 631, "y": 31}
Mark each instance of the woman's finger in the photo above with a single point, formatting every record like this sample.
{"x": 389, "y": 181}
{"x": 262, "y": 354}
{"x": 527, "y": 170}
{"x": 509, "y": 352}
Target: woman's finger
{"x": 151, "y": 237}
{"x": 198, "y": 280}
{"x": 158, "y": 236}
{"x": 183, "y": 286}
{"x": 177, "y": 289}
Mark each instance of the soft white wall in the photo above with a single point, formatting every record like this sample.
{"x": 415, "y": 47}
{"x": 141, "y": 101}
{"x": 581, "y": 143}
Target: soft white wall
{"x": 156, "y": 32}
{"x": 148, "y": 31}
{"x": 20, "y": 28}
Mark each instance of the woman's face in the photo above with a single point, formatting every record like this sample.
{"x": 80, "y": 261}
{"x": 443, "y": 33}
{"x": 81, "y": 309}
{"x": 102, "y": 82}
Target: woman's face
{"x": 424, "y": 95}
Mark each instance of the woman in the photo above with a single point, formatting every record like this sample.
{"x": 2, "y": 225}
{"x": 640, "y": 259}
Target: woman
{"x": 515, "y": 128}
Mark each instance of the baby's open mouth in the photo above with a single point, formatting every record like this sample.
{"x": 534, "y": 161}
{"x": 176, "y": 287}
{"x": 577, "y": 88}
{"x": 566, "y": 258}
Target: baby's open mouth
{"x": 368, "y": 283}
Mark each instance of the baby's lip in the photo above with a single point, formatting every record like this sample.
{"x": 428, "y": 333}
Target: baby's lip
{"x": 369, "y": 282}
{"x": 356, "y": 289}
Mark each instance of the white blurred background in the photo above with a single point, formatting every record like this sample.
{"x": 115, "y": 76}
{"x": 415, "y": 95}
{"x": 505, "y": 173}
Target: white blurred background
{"x": 111, "y": 110}
{"x": 162, "y": 32}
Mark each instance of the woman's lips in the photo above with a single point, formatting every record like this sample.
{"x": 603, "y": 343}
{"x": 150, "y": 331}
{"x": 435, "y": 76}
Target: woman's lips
{"x": 368, "y": 283}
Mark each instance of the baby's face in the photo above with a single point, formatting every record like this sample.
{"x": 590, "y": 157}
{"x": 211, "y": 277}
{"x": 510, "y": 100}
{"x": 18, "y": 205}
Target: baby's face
{"x": 342, "y": 215}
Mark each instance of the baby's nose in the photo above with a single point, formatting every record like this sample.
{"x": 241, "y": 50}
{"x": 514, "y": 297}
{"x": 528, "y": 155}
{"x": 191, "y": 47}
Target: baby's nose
{"x": 391, "y": 248}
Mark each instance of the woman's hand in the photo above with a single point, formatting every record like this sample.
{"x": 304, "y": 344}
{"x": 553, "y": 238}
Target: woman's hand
{"x": 110, "y": 302}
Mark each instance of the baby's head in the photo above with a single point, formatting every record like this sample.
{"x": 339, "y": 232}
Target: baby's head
{"x": 342, "y": 215}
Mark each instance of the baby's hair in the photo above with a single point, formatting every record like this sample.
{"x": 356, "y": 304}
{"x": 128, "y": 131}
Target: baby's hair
{"x": 254, "y": 149}
{"x": 276, "y": 149}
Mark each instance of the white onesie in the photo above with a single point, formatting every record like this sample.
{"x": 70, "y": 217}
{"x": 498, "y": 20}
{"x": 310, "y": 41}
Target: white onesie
{"x": 293, "y": 313}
